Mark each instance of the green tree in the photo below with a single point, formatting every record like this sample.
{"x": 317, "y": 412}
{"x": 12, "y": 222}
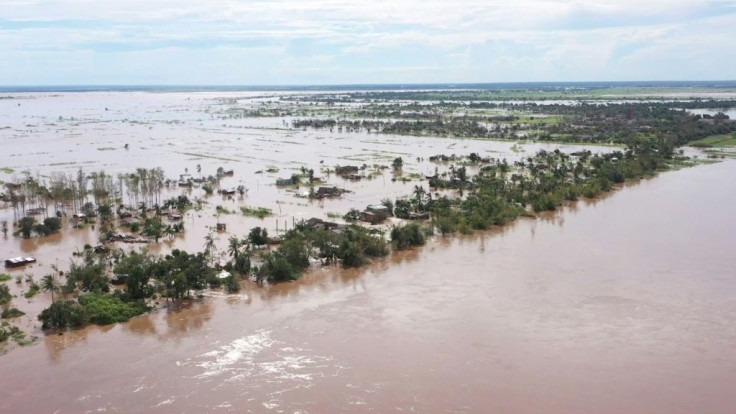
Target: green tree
{"x": 48, "y": 284}
{"x": 154, "y": 228}
{"x": 258, "y": 236}
{"x": 64, "y": 314}
{"x": 209, "y": 245}
{"x": 234, "y": 247}
{"x": 53, "y": 224}
{"x": 398, "y": 163}
{"x": 25, "y": 226}
{"x": 135, "y": 269}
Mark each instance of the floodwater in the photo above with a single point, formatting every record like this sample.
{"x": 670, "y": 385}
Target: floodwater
{"x": 47, "y": 133}
{"x": 622, "y": 305}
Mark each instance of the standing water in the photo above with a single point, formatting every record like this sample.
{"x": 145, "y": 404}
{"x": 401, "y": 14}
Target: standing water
{"x": 624, "y": 305}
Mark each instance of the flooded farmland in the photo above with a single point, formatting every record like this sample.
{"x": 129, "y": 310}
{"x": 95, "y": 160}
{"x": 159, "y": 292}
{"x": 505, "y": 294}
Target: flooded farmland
{"x": 620, "y": 304}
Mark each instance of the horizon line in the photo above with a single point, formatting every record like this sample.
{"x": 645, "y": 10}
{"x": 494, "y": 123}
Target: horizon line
{"x": 716, "y": 83}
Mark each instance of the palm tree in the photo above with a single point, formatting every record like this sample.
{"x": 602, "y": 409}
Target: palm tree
{"x": 48, "y": 283}
{"x": 209, "y": 245}
{"x": 234, "y": 247}
{"x": 169, "y": 231}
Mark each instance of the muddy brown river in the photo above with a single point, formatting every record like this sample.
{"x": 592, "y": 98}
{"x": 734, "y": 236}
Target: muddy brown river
{"x": 622, "y": 305}
{"x": 625, "y": 305}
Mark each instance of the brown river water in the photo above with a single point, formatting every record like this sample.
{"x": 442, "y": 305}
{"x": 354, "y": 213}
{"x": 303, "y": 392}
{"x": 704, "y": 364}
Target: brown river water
{"x": 622, "y": 305}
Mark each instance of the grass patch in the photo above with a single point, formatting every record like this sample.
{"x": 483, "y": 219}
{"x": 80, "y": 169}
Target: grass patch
{"x": 223, "y": 210}
{"x": 11, "y": 313}
{"x": 260, "y": 212}
{"x": 538, "y": 120}
{"x": 5, "y": 296}
{"x": 4, "y": 277}
{"x": 108, "y": 309}
{"x": 34, "y": 289}
{"x": 7, "y": 170}
{"x": 713, "y": 141}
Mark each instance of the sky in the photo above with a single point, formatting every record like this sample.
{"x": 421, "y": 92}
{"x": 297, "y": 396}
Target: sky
{"x": 329, "y": 42}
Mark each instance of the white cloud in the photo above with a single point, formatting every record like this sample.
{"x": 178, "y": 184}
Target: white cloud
{"x": 453, "y": 41}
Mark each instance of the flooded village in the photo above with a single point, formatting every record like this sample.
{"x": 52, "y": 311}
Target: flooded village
{"x": 390, "y": 250}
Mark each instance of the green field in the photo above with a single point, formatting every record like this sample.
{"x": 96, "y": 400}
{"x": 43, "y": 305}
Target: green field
{"x": 716, "y": 141}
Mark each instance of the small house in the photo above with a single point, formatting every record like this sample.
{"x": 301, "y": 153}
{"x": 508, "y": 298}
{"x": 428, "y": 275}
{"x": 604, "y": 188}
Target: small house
{"x": 323, "y": 192}
{"x": 374, "y": 208}
{"x": 19, "y": 261}
{"x": 125, "y": 214}
{"x": 315, "y": 223}
{"x": 348, "y": 169}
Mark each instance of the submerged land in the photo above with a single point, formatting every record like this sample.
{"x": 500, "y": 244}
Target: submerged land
{"x": 138, "y": 200}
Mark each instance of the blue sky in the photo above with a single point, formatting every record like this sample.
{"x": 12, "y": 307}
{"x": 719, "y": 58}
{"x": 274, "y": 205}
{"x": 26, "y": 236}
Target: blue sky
{"x": 289, "y": 42}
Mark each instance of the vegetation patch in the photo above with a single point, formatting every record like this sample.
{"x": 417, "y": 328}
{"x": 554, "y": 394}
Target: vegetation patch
{"x": 223, "y": 210}
{"x": 5, "y": 296}
{"x": 11, "y": 313}
{"x": 107, "y": 309}
{"x": 8, "y": 331}
{"x": 260, "y": 212}
{"x": 716, "y": 141}
{"x": 33, "y": 290}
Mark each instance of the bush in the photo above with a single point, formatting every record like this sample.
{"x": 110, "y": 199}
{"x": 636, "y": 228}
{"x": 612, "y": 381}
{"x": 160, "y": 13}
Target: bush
{"x": 7, "y": 331}
{"x": 41, "y": 229}
{"x": 445, "y": 224}
{"x": 296, "y": 250}
{"x": 5, "y": 296}
{"x": 25, "y": 226}
{"x": 276, "y": 268}
{"x": 241, "y": 264}
{"x": 351, "y": 254}
{"x": 64, "y": 314}
{"x": 232, "y": 284}
{"x": 545, "y": 202}
{"x": 107, "y": 309}
{"x": 406, "y": 236}
{"x": 35, "y": 288}
{"x": 258, "y": 236}
{"x": 53, "y": 224}
{"x": 11, "y": 313}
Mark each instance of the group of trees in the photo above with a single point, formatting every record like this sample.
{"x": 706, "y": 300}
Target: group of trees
{"x": 28, "y": 225}
{"x": 72, "y": 191}
{"x": 34, "y": 195}
{"x": 499, "y": 193}
{"x": 464, "y": 114}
